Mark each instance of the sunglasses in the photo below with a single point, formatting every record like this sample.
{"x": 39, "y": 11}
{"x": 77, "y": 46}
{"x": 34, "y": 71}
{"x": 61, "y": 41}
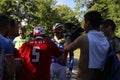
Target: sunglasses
{"x": 57, "y": 32}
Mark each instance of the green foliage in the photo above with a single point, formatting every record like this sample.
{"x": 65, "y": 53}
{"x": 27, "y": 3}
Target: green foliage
{"x": 37, "y": 13}
{"x": 80, "y": 8}
{"x": 102, "y": 8}
{"x": 67, "y": 15}
{"x": 110, "y": 9}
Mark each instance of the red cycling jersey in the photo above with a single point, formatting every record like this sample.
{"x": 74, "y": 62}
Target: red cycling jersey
{"x": 36, "y": 59}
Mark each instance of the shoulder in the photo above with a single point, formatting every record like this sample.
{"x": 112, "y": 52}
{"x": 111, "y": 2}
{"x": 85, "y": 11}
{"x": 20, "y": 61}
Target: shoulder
{"x": 84, "y": 41}
{"x": 28, "y": 43}
{"x": 82, "y": 38}
{"x": 50, "y": 41}
{"x": 6, "y": 40}
{"x": 8, "y": 46}
{"x": 9, "y": 42}
{"x": 116, "y": 39}
{"x": 16, "y": 38}
{"x": 52, "y": 38}
{"x": 80, "y": 41}
{"x": 25, "y": 46}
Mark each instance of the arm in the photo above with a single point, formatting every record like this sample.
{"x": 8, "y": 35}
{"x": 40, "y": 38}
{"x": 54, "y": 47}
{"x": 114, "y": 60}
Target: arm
{"x": 78, "y": 43}
{"x": 71, "y": 63}
{"x": 116, "y": 46}
{"x": 73, "y": 45}
{"x": 10, "y": 63}
{"x": 9, "y": 68}
{"x": 71, "y": 60}
{"x": 118, "y": 55}
{"x": 19, "y": 60}
{"x": 55, "y": 50}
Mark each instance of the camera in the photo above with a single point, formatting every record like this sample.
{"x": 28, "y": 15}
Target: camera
{"x": 72, "y": 31}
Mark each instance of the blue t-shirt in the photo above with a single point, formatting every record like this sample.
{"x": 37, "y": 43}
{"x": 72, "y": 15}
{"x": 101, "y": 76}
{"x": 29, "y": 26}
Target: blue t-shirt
{"x": 6, "y": 48}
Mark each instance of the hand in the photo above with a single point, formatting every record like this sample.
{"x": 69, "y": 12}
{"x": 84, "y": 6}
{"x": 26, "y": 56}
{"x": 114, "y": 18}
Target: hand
{"x": 69, "y": 73}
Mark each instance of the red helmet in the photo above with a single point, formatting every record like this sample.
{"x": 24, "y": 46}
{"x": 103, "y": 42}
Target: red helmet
{"x": 38, "y": 31}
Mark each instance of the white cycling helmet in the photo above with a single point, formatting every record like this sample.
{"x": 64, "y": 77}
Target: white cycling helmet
{"x": 58, "y": 26}
{"x": 38, "y": 31}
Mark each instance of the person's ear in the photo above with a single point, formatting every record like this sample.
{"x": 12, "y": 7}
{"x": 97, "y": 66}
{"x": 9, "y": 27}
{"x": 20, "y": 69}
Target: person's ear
{"x": 87, "y": 23}
{"x": 109, "y": 27}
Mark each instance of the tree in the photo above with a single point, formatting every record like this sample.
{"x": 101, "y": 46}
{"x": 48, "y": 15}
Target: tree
{"x": 110, "y": 9}
{"x": 67, "y": 15}
{"x": 22, "y": 10}
{"x": 80, "y": 8}
{"x": 31, "y": 13}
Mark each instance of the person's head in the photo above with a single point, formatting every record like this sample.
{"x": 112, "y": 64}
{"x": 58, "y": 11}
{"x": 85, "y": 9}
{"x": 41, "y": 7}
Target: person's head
{"x": 92, "y": 20}
{"x": 13, "y": 28}
{"x": 30, "y": 34}
{"x": 108, "y": 27}
{"x": 4, "y": 24}
{"x": 58, "y": 29}
{"x": 39, "y": 31}
{"x": 21, "y": 31}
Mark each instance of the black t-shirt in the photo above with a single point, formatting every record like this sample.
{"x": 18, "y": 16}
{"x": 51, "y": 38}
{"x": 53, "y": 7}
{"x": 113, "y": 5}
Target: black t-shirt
{"x": 115, "y": 43}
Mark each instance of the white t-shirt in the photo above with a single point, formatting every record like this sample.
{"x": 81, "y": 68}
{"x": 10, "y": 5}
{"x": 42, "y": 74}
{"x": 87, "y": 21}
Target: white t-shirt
{"x": 98, "y": 48}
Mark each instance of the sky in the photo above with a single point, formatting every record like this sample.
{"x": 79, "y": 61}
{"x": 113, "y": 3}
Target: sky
{"x": 69, "y": 3}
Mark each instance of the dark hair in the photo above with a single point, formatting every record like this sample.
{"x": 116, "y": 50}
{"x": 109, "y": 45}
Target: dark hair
{"x": 111, "y": 23}
{"x": 4, "y": 20}
{"x": 12, "y": 22}
{"x": 20, "y": 28}
{"x": 94, "y": 18}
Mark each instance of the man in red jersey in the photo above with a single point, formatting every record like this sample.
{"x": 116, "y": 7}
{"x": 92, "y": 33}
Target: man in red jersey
{"x": 36, "y": 56}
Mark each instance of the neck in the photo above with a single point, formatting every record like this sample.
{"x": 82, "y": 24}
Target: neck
{"x": 111, "y": 35}
{"x": 3, "y": 34}
{"x": 92, "y": 28}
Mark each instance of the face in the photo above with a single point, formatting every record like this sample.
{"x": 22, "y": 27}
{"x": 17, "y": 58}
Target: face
{"x": 85, "y": 24}
{"x": 20, "y": 31}
{"x": 58, "y": 34}
{"x": 106, "y": 29}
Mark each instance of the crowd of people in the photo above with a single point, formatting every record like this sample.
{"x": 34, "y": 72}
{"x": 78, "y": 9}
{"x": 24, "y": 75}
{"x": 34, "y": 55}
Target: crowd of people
{"x": 40, "y": 58}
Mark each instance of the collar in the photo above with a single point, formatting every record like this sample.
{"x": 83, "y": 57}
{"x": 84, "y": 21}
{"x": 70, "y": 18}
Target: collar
{"x": 93, "y": 31}
{"x": 38, "y": 37}
{"x": 1, "y": 35}
{"x": 62, "y": 40}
